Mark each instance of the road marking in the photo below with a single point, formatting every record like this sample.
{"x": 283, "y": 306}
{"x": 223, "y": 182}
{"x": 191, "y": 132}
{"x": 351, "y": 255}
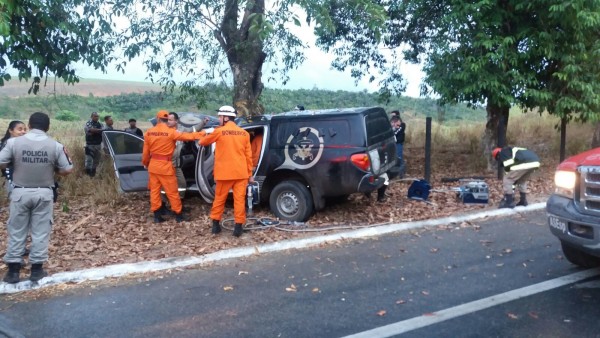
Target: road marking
{"x": 467, "y": 308}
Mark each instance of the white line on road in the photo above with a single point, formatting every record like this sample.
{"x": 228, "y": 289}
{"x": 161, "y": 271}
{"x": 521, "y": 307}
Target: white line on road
{"x": 467, "y": 308}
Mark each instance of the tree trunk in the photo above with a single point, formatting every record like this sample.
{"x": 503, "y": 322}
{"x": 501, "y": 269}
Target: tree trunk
{"x": 489, "y": 141}
{"x": 248, "y": 85}
{"x": 596, "y": 138}
{"x": 243, "y": 46}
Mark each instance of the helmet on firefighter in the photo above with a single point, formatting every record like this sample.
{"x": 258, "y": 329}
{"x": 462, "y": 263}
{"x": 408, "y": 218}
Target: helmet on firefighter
{"x": 495, "y": 153}
{"x": 226, "y": 111}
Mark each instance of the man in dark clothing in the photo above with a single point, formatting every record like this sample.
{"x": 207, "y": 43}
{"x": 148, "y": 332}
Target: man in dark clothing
{"x": 133, "y": 129}
{"x": 518, "y": 164}
{"x": 399, "y": 129}
{"x": 93, "y": 144}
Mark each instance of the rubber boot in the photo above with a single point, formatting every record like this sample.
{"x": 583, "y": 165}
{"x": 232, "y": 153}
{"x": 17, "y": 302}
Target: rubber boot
{"x": 13, "y": 274}
{"x": 522, "y": 200}
{"x": 381, "y": 193}
{"x": 216, "y": 227}
{"x": 158, "y": 217}
{"x": 92, "y": 172}
{"x": 37, "y": 272}
{"x": 180, "y": 217}
{"x": 507, "y": 202}
{"x": 237, "y": 231}
{"x": 88, "y": 172}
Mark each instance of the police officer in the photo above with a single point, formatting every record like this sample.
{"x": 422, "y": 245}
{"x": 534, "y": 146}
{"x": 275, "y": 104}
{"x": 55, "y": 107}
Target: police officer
{"x": 36, "y": 158}
{"x": 157, "y": 156}
{"x": 233, "y": 168}
{"x": 93, "y": 144}
{"x": 518, "y": 164}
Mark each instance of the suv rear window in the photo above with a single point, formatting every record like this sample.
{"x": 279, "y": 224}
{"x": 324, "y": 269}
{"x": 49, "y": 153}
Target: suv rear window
{"x": 378, "y": 127}
{"x": 334, "y": 132}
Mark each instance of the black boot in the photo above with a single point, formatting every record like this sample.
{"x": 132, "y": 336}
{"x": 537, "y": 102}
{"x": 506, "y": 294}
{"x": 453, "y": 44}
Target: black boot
{"x": 13, "y": 274}
{"x": 88, "y": 172}
{"x": 37, "y": 272}
{"x": 216, "y": 227}
{"x": 237, "y": 231}
{"x": 523, "y": 200}
{"x": 92, "y": 172}
{"x": 180, "y": 217}
{"x": 381, "y": 193}
{"x": 158, "y": 217}
{"x": 507, "y": 202}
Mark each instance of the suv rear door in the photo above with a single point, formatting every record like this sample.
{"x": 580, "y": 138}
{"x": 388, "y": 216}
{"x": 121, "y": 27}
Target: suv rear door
{"x": 381, "y": 145}
{"x": 126, "y": 151}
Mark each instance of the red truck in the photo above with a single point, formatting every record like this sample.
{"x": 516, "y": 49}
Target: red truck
{"x": 574, "y": 208}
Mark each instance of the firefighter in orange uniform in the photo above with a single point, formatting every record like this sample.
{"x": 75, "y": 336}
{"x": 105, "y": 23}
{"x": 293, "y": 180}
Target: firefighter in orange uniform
{"x": 233, "y": 168}
{"x": 159, "y": 144}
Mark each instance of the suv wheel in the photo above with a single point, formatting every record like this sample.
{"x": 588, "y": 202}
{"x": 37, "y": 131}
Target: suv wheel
{"x": 579, "y": 257}
{"x": 291, "y": 200}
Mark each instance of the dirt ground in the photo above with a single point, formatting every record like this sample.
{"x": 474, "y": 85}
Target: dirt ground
{"x": 89, "y": 236}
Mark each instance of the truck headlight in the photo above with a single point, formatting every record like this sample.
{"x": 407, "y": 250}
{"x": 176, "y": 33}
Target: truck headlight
{"x": 565, "y": 182}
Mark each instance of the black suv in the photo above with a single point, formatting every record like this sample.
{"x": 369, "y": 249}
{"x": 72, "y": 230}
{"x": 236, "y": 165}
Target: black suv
{"x": 305, "y": 157}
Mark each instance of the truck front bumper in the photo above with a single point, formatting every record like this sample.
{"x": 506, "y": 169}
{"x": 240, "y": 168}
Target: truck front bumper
{"x": 566, "y": 222}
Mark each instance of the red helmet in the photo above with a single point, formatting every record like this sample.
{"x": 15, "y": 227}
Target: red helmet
{"x": 495, "y": 153}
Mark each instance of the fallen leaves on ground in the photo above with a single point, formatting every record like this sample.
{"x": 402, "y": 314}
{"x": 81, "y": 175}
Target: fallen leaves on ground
{"x": 90, "y": 236}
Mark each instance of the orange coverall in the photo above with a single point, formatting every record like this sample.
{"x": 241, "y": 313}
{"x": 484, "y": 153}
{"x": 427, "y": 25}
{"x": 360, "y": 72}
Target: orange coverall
{"x": 233, "y": 168}
{"x": 159, "y": 144}
{"x": 256, "y": 146}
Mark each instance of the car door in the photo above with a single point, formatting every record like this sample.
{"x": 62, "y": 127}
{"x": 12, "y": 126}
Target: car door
{"x": 205, "y": 164}
{"x": 126, "y": 151}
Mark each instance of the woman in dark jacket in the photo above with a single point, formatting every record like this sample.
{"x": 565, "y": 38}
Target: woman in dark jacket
{"x": 15, "y": 128}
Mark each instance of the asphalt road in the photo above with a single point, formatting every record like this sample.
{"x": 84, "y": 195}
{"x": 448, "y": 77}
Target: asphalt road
{"x": 475, "y": 279}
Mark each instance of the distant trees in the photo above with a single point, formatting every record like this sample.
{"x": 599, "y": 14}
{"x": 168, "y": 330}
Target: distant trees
{"x": 145, "y": 105}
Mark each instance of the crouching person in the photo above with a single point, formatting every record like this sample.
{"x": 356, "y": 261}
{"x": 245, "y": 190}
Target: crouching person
{"x": 35, "y": 158}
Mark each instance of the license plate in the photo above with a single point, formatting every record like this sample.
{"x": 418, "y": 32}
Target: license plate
{"x": 557, "y": 223}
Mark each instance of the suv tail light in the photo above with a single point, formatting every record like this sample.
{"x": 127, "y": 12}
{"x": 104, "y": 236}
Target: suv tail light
{"x": 361, "y": 161}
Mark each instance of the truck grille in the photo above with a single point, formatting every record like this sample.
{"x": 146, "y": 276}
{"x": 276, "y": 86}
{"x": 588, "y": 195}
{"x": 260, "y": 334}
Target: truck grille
{"x": 589, "y": 188}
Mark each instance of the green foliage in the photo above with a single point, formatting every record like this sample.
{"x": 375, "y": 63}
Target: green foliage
{"x": 66, "y": 115}
{"x": 47, "y": 37}
{"x": 207, "y": 41}
{"x": 537, "y": 54}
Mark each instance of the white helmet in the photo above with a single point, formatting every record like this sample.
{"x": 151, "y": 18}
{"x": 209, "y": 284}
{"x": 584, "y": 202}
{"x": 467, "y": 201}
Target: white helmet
{"x": 226, "y": 111}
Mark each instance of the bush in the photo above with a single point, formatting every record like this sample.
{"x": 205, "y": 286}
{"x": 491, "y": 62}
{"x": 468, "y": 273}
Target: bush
{"x": 67, "y": 115}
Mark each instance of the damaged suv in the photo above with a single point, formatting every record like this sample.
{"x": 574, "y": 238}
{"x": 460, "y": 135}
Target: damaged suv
{"x": 304, "y": 158}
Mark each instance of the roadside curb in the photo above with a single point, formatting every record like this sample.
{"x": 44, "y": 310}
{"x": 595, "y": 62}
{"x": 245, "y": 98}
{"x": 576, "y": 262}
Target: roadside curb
{"x": 118, "y": 270}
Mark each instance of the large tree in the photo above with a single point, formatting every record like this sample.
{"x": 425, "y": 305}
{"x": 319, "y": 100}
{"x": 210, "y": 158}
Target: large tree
{"x": 219, "y": 40}
{"x": 41, "y": 38}
{"x": 532, "y": 53}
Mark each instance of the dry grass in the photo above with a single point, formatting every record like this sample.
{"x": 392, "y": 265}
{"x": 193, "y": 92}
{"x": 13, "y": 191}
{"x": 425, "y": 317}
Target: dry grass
{"x": 531, "y": 130}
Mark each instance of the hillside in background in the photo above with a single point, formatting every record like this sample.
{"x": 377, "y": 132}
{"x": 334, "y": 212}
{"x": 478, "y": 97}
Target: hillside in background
{"x": 96, "y": 87}
{"x": 124, "y": 99}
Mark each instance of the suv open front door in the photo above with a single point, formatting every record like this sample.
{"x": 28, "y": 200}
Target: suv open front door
{"x": 126, "y": 151}
{"x": 205, "y": 165}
